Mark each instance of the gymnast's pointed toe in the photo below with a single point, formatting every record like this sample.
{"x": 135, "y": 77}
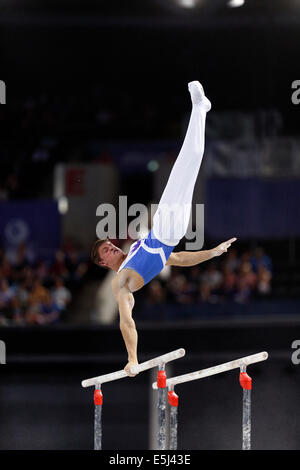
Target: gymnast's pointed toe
{"x": 198, "y": 96}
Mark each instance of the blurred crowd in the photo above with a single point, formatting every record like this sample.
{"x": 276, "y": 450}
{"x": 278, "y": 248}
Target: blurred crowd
{"x": 38, "y": 292}
{"x": 232, "y": 278}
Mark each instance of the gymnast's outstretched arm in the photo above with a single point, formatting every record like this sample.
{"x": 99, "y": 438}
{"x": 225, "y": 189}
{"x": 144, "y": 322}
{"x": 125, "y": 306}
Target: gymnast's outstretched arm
{"x": 191, "y": 258}
{"x": 125, "y": 301}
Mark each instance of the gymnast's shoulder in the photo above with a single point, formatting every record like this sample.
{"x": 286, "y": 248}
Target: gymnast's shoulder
{"x": 126, "y": 279}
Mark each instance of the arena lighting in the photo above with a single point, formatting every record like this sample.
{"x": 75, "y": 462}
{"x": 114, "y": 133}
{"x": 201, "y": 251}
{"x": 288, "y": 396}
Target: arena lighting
{"x": 153, "y": 165}
{"x": 63, "y": 205}
{"x": 235, "y": 3}
{"x": 187, "y": 3}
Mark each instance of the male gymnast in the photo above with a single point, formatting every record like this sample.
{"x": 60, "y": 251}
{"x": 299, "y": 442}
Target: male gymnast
{"x": 147, "y": 257}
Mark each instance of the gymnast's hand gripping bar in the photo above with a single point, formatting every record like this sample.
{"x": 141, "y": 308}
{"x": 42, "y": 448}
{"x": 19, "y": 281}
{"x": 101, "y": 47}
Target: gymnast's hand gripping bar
{"x": 262, "y": 356}
{"x": 134, "y": 370}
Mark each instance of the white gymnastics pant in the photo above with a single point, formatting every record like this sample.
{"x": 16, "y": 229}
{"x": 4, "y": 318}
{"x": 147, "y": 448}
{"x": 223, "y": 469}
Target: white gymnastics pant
{"x": 171, "y": 218}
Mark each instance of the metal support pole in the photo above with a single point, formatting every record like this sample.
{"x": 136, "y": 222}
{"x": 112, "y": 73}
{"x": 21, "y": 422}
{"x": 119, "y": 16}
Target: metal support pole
{"x": 246, "y": 384}
{"x": 245, "y": 381}
{"x": 173, "y": 402}
{"x": 97, "y": 382}
{"x": 161, "y": 408}
{"x": 98, "y": 401}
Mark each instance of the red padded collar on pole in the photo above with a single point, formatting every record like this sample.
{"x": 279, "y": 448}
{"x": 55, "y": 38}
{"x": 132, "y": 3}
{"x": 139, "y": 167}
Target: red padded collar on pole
{"x": 161, "y": 379}
{"x": 98, "y": 397}
{"x": 245, "y": 381}
{"x": 172, "y": 398}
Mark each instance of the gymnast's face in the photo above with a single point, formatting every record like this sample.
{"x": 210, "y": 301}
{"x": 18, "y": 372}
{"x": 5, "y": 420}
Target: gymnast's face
{"x": 111, "y": 256}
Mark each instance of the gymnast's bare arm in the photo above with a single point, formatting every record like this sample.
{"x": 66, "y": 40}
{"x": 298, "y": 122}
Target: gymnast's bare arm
{"x": 191, "y": 258}
{"x": 125, "y": 300}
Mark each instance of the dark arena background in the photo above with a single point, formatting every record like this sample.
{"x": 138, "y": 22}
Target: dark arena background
{"x": 94, "y": 105}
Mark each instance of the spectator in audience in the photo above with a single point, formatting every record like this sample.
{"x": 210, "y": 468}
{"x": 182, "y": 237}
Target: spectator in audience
{"x": 38, "y": 296}
{"x": 44, "y": 312}
{"x": 20, "y": 256}
{"x": 263, "y": 281}
{"x": 6, "y": 269}
{"x": 247, "y": 275}
{"x": 61, "y": 295}
{"x": 245, "y": 257}
{"x": 72, "y": 261}
{"x": 22, "y": 295}
{"x": 42, "y": 270}
{"x": 28, "y": 275}
{"x": 7, "y": 300}
{"x": 194, "y": 275}
{"x": 232, "y": 261}
{"x": 80, "y": 271}
{"x": 212, "y": 277}
{"x": 182, "y": 290}
{"x": 205, "y": 292}
{"x": 243, "y": 292}
{"x": 59, "y": 267}
{"x": 49, "y": 312}
{"x": 39, "y": 293}
{"x": 229, "y": 284}
{"x": 261, "y": 259}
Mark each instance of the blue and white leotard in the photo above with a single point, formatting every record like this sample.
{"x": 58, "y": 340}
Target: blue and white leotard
{"x": 147, "y": 257}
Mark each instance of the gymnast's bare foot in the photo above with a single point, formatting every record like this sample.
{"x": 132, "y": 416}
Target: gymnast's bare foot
{"x": 198, "y": 96}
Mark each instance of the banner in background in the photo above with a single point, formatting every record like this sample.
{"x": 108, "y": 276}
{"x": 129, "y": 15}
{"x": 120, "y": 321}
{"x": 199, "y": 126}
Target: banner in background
{"x": 252, "y": 208}
{"x": 33, "y": 223}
